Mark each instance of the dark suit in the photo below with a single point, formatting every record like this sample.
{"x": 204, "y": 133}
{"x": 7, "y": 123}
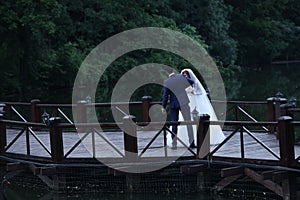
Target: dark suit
{"x": 174, "y": 89}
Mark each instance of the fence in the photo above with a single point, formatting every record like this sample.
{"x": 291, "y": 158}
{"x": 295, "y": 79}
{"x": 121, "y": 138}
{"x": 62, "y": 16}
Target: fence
{"x": 62, "y": 122}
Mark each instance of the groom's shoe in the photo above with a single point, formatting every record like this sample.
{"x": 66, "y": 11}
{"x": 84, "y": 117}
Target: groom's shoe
{"x": 192, "y": 145}
{"x": 174, "y": 147}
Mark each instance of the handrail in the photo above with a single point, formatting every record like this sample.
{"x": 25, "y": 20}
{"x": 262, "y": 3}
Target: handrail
{"x": 134, "y": 102}
{"x": 241, "y": 129}
{"x": 64, "y": 115}
{"x": 296, "y": 123}
{"x": 261, "y": 143}
{"x": 28, "y": 128}
{"x": 252, "y": 118}
{"x": 19, "y": 115}
{"x": 294, "y": 110}
{"x": 241, "y": 124}
{"x": 113, "y": 146}
{"x": 37, "y": 106}
{"x": 17, "y": 103}
{"x": 44, "y": 105}
{"x": 71, "y": 125}
{"x": 241, "y": 102}
{"x": 23, "y": 123}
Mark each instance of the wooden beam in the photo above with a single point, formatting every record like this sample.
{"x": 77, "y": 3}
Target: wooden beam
{"x": 35, "y": 170}
{"x": 268, "y": 174}
{"x": 226, "y": 181}
{"x": 48, "y": 171}
{"x": 15, "y": 166}
{"x": 267, "y": 183}
{"x": 281, "y": 175}
{"x": 49, "y": 182}
{"x": 231, "y": 171}
{"x": 192, "y": 169}
{"x": 115, "y": 172}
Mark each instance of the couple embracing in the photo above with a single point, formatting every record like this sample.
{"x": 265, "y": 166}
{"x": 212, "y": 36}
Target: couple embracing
{"x": 185, "y": 92}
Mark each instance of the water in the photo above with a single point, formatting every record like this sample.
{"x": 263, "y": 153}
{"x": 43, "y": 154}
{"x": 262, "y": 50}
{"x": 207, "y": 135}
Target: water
{"x": 23, "y": 194}
{"x": 262, "y": 83}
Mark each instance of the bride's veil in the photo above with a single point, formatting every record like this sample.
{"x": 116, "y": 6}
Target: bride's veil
{"x": 198, "y": 88}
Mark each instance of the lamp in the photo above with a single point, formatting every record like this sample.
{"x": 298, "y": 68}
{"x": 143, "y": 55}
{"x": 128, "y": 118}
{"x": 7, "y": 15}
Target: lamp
{"x": 279, "y": 94}
{"x": 45, "y": 118}
{"x": 195, "y": 114}
{"x": 292, "y": 101}
{"x": 2, "y": 106}
{"x": 88, "y": 99}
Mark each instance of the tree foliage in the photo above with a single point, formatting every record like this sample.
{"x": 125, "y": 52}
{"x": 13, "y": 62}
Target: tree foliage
{"x": 44, "y": 42}
{"x": 265, "y": 30}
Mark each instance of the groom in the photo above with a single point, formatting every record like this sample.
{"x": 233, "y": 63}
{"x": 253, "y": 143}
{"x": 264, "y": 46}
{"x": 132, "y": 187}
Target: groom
{"x": 174, "y": 89}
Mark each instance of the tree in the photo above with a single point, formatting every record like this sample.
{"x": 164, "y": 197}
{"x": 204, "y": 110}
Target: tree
{"x": 261, "y": 29}
{"x": 24, "y": 28}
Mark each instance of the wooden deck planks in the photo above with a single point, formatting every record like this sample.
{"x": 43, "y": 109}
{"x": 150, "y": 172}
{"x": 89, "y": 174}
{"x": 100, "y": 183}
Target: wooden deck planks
{"x": 232, "y": 148}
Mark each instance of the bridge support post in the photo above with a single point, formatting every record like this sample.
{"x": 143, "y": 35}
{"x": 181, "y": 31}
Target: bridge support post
{"x": 287, "y": 154}
{"x": 56, "y": 140}
{"x": 286, "y": 141}
{"x": 130, "y": 138}
{"x": 3, "y": 142}
{"x": 203, "y": 136}
{"x": 132, "y": 182}
{"x": 3, "y": 139}
{"x": 81, "y": 114}
{"x": 274, "y": 112}
{"x": 146, "y": 101}
{"x": 35, "y": 112}
{"x": 58, "y": 181}
{"x": 284, "y": 109}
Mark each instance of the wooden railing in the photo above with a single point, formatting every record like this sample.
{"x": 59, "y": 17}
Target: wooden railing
{"x": 56, "y": 143}
{"x": 275, "y": 106}
{"x": 236, "y": 110}
{"x": 55, "y": 148}
{"x": 33, "y": 111}
{"x": 241, "y": 128}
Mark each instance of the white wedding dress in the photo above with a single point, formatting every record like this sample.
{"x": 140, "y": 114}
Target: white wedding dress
{"x": 199, "y": 101}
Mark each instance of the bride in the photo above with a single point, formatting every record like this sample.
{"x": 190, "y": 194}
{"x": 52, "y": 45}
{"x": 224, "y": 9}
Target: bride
{"x": 199, "y": 101}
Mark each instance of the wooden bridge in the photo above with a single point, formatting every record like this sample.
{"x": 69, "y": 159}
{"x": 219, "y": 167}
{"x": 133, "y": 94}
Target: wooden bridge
{"x": 266, "y": 151}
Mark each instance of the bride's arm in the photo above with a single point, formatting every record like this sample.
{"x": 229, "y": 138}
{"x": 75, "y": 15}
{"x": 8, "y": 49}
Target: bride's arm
{"x": 189, "y": 90}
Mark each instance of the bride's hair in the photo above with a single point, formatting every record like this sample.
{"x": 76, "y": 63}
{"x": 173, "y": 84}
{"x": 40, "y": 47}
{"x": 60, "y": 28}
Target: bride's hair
{"x": 187, "y": 73}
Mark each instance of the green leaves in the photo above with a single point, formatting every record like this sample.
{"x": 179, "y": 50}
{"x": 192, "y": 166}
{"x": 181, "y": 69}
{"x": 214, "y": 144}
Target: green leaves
{"x": 43, "y": 43}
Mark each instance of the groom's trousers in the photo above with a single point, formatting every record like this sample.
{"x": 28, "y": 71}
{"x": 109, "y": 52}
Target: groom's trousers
{"x": 186, "y": 113}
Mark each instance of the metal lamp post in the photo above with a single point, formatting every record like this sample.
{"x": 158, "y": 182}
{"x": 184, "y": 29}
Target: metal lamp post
{"x": 195, "y": 114}
{"x": 45, "y": 118}
{"x": 292, "y": 101}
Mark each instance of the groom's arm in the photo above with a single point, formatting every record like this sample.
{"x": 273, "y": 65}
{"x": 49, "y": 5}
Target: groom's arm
{"x": 191, "y": 82}
{"x": 165, "y": 97}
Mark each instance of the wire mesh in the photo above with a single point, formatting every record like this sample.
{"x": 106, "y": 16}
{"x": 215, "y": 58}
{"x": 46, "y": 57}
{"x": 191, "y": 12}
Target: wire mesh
{"x": 170, "y": 180}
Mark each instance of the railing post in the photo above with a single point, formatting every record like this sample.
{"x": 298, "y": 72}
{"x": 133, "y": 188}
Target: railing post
{"x": 35, "y": 111}
{"x": 130, "y": 137}
{"x": 3, "y": 140}
{"x": 286, "y": 140}
{"x": 274, "y": 112}
{"x": 284, "y": 109}
{"x": 56, "y": 140}
{"x": 81, "y": 114}
{"x": 203, "y": 136}
{"x": 146, "y": 101}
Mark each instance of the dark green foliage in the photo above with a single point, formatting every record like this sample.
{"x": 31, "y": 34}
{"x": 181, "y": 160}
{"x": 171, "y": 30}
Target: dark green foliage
{"x": 43, "y": 43}
{"x": 266, "y": 30}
